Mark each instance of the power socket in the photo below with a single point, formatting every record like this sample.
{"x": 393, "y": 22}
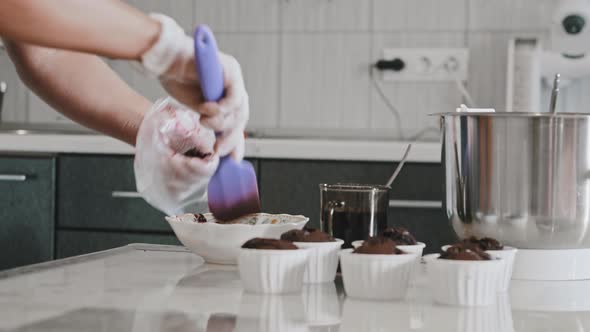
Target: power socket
{"x": 427, "y": 64}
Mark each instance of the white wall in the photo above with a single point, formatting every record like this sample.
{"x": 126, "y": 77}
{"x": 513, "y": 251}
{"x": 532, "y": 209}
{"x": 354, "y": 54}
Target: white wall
{"x": 306, "y": 61}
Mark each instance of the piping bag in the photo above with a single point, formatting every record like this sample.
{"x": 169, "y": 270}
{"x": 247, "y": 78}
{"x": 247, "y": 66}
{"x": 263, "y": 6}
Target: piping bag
{"x": 233, "y": 189}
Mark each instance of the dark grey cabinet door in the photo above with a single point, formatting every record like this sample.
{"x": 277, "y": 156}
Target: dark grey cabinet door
{"x": 99, "y": 193}
{"x": 291, "y": 186}
{"x": 427, "y": 225}
{"x": 27, "y": 186}
{"x": 91, "y": 194}
{"x": 72, "y": 243}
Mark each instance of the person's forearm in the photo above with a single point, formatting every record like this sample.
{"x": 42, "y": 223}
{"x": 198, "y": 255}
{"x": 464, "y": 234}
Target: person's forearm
{"x": 107, "y": 27}
{"x": 82, "y": 87}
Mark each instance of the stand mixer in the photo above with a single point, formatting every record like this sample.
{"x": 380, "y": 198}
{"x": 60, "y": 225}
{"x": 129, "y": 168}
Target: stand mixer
{"x": 523, "y": 176}
{"x": 531, "y": 62}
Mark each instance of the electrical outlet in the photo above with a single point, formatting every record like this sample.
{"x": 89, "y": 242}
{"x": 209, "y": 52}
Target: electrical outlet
{"x": 427, "y": 64}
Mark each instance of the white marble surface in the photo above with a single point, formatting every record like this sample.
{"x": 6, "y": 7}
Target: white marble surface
{"x": 164, "y": 288}
{"x": 288, "y": 148}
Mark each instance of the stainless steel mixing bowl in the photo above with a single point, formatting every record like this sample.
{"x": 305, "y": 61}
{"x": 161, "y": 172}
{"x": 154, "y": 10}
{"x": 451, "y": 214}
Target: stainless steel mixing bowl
{"x": 522, "y": 178}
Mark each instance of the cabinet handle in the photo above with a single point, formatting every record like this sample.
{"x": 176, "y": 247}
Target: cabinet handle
{"x": 13, "y": 177}
{"x": 125, "y": 194}
{"x": 398, "y": 203}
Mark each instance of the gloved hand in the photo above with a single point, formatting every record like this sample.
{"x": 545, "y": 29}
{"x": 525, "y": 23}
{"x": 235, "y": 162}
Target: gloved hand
{"x": 174, "y": 158}
{"x": 172, "y": 59}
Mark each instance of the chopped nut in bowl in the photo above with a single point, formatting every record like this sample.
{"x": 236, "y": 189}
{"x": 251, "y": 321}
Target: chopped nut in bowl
{"x": 220, "y": 242}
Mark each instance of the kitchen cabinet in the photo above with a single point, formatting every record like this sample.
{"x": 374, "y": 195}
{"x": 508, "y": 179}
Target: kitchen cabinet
{"x": 98, "y": 207}
{"x": 27, "y": 185}
{"x": 72, "y": 204}
{"x": 428, "y": 225}
{"x": 291, "y": 186}
{"x": 74, "y": 242}
{"x": 99, "y": 193}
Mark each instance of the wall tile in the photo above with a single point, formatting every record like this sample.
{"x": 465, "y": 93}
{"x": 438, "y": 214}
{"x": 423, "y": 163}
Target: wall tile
{"x": 181, "y": 10}
{"x": 325, "y": 81}
{"x": 238, "y": 15}
{"x": 487, "y": 68}
{"x": 146, "y": 86}
{"x": 508, "y": 15}
{"x": 40, "y": 112}
{"x": 326, "y": 15}
{"x": 314, "y": 73}
{"x": 419, "y": 15}
{"x": 413, "y": 100}
{"x": 573, "y": 96}
{"x": 124, "y": 69}
{"x": 258, "y": 55}
{"x": 15, "y": 101}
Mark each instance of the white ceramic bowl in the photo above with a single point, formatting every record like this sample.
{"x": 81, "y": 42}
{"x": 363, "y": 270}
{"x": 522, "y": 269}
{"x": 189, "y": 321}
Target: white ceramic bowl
{"x": 464, "y": 283}
{"x": 220, "y": 243}
{"x": 323, "y": 260}
{"x": 375, "y": 277}
{"x": 268, "y": 271}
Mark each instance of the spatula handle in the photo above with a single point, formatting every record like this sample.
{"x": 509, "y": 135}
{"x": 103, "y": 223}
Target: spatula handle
{"x": 208, "y": 66}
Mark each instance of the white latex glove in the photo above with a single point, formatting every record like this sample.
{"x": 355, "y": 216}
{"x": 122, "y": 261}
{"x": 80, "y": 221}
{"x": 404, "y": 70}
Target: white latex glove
{"x": 166, "y": 177}
{"x": 172, "y": 59}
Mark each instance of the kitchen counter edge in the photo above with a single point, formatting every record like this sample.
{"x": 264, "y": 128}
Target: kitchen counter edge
{"x": 265, "y": 148}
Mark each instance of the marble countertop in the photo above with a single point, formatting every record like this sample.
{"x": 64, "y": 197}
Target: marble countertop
{"x": 274, "y": 148}
{"x": 165, "y": 288}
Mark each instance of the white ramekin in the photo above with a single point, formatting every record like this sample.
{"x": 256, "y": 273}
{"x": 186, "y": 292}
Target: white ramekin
{"x": 415, "y": 249}
{"x": 507, "y": 254}
{"x": 272, "y": 271}
{"x": 323, "y": 261}
{"x": 464, "y": 283}
{"x": 375, "y": 277}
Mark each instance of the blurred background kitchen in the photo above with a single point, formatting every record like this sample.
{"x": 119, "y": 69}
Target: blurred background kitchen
{"x": 306, "y": 62}
{"x": 308, "y": 70}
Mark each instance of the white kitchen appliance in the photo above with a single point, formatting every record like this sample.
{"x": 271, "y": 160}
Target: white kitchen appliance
{"x": 532, "y": 63}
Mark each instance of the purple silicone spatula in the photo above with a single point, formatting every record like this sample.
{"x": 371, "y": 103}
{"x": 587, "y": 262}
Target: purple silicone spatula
{"x": 233, "y": 189}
